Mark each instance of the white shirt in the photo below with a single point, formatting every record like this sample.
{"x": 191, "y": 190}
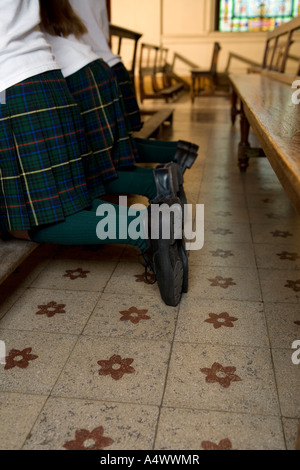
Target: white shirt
{"x": 70, "y": 53}
{"x": 93, "y": 14}
{"x": 24, "y": 51}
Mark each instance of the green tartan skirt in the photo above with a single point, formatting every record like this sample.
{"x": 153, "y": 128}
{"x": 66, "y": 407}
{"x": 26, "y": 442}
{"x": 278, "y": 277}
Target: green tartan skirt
{"x": 132, "y": 110}
{"x": 46, "y": 165}
{"x": 96, "y": 91}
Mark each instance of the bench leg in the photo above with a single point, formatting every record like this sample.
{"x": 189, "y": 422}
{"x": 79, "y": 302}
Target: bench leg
{"x": 234, "y": 110}
{"x": 244, "y": 145}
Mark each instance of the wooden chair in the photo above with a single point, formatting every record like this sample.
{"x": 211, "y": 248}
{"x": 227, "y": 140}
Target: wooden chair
{"x": 155, "y": 81}
{"x": 198, "y": 75}
{"x": 123, "y": 33}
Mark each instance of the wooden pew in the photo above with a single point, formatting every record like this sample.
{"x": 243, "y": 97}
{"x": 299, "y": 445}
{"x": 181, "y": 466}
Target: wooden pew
{"x": 197, "y": 74}
{"x": 121, "y": 34}
{"x": 154, "y": 120}
{"x": 276, "y": 55}
{"x": 266, "y": 107}
{"x": 155, "y": 82}
{"x": 13, "y": 252}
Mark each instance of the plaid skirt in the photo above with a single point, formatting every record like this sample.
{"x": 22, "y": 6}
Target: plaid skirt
{"x": 132, "y": 109}
{"x": 97, "y": 94}
{"x": 45, "y": 168}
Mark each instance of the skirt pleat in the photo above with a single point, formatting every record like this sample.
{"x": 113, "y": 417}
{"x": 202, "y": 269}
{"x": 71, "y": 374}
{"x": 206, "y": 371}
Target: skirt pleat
{"x": 96, "y": 91}
{"x": 45, "y": 172}
{"x": 132, "y": 110}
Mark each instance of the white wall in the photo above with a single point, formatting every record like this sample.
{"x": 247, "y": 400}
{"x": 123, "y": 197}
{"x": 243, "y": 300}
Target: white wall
{"x": 186, "y": 27}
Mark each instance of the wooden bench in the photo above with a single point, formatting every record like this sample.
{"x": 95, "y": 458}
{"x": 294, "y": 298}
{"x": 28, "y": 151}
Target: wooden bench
{"x": 13, "y": 252}
{"x": 154, "y": 122}
{"x": 154, "y": 77}
{"x": 122, "y": 34}
{"x": 266, "y": 107}
{"x": 197, "y": 74}
{"x": 275, "y": 58}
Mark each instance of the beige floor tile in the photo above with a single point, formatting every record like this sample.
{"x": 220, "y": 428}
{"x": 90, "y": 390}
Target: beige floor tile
{"x": 129, "y": 277}
{"x": 283, "y": 322}
{"x": 132, "y": 316}
{"x": 134, "y": 370}
{"x": 290, "y": 427}
{"x": 277, "y": 256}
{"x": 248, "y": 386}
{"x": 224, "y": 283}
{"x": 216, "y": 232}
{"x": 280, "y": 285}
{"x": 76, "y": 275}
{"x": 222, "y": 322}
{"x": 108, "y": 427}
{"x": 226, "y": 214}
{"x": 277, "y": 234}
{"x": 272, "y": 201}
{"x": 180, "y": 429}
{"x": 273, "y": 216}
{"x": 51, "y": 310}
{"x": 288, "y": 380}
{"x": 224, "y": 255}
{"x": 34, "y": 361}
{"x": 17, "y": 419}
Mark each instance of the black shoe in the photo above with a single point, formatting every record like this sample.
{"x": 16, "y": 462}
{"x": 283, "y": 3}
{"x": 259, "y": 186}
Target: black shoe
{"x": 188, "y": 146}
{"x": 162, "y": 253}
{"x": 166, "y": 179}
{"x": 186, "y": 154}
{"x": 169, "y": 182}
{"x": 185, "y": 263}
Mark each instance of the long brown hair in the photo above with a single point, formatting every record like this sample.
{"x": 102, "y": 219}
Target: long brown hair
{"x": 59, "y": 19}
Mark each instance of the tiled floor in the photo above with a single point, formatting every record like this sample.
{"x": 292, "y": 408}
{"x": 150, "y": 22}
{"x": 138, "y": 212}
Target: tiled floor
{"x": 91, "y": 347}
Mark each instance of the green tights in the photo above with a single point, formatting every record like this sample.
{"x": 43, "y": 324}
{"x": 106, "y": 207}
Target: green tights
{"x": 81, "y": 228}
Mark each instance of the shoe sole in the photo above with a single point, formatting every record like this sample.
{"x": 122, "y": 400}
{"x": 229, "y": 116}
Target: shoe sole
{"x": 185, "y": 264}
{"x": 168, "y": 267}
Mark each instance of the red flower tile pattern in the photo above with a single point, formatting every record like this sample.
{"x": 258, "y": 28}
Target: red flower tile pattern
{"x": 295, "y": 285}
{"x": 21, "y": 359}
{"x": 288, "y": 256}
{"x": 224, "y": 444}
{"x": 134, "y": 315}
{"x": 281, "y": 234}
{"x": 222, "y": 253}
{"x": 223, "y": 214}
{"x": 116, "y": 367}
{"x": 220, "y": 281}
{"x": 222, "y": 375}
{"x": 271, "y": 215}
{"x": 141, "y": 278}
{"x": 51, "y": 309}
{"x": 86, "y": 440}
{"x": 267, "y": 200}
{"x": 222, "y": 231}
{"x": 223, "y": 319}
{"x": 78, "y": 273}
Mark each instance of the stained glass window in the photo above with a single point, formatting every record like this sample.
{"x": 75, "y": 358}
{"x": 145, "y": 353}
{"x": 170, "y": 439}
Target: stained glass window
{"x": 255, "y": 15}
